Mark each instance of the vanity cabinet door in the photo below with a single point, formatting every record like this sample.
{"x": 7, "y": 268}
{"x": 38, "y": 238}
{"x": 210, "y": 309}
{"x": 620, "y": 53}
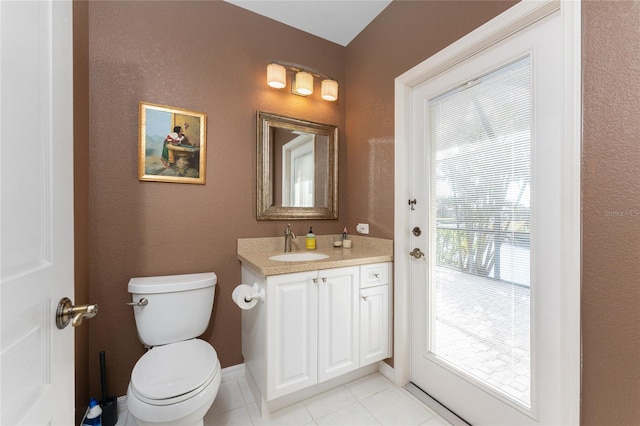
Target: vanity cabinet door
{"x": 338, "y": 321}
{"x": 292, "y": 338}
{"x": 374, "y": 324}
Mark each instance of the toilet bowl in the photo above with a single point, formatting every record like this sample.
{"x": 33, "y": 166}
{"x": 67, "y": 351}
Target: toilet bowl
{"x": 176, "y": 381}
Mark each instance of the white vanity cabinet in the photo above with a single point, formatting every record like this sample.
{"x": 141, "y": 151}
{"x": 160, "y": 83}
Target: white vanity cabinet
{"x": 338, "y": 321}
{"x": 315, "y": 326}
{"x": 292, "y": 336}
{"x": 312, "y": 332}
{"x": 375, "y": 315}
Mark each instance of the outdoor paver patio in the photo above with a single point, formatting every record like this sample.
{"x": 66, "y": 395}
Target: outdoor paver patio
{"x": 482, "y": 327}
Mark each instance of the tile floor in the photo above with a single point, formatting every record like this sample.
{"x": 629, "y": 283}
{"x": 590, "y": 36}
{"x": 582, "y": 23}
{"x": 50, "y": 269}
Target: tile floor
{"x": 371, "y": 400}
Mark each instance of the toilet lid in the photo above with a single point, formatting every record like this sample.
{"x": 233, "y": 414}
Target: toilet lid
{"x": 171, "y": 370}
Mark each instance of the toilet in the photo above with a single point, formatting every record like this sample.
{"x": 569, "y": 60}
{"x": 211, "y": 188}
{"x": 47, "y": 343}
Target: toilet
{"x": 176, "y": 381}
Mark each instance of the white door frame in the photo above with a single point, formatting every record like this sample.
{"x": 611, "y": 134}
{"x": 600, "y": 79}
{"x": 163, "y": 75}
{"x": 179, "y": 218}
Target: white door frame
{"x": 507, "y": 23}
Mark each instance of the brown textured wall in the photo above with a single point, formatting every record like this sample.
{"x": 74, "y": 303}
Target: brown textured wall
{"x": 611, "y": 213}
{"x": 81, "y": 197}
{"x": 403, "y": 35}
{"x": 209, "y": 57}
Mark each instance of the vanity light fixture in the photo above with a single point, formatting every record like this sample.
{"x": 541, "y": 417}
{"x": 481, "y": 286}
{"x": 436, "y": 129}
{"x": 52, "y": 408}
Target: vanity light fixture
{"x": 302, "y": 80}
{"x": 276, "y": 76}
{"x": 303, "y": 83}
{"x": 329, "y": 90}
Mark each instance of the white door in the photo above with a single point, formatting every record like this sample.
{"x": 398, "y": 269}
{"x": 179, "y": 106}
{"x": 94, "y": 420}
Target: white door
{"x": 36, "y": 110}
{"x": 338, "y": 321}
{"x": 487, "y": 141}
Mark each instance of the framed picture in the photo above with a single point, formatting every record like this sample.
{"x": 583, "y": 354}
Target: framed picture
{"x": 172, "y": 144}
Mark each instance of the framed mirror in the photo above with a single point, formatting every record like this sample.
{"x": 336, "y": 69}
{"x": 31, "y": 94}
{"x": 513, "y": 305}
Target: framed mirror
{"x": 297, "y": 169}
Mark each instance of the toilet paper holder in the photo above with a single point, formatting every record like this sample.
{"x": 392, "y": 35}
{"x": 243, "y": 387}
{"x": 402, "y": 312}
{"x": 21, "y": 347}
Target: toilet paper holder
{"x": 247, "y": 296}
{"x": 258, "y": 293}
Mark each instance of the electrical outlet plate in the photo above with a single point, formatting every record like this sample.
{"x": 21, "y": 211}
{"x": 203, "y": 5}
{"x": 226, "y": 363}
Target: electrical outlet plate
{"x": 362, "y": 228}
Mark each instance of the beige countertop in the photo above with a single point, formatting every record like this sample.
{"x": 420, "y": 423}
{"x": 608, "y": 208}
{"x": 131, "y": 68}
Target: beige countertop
{"x": 255, "y": 253}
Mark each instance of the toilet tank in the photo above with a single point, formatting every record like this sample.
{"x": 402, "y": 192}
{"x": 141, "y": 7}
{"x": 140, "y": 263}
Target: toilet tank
{"x": 178, "y": 306}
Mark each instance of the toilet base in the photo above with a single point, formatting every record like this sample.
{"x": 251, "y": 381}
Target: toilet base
{"x": 143, "y": 423}
{"x": 190, "y": 412}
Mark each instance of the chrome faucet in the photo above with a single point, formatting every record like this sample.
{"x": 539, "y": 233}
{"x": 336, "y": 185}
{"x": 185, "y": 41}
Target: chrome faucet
{"x": 288, "y": 236}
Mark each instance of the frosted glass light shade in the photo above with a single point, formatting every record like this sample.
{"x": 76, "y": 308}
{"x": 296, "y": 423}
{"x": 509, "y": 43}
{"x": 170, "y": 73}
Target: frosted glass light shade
{"x": 276, "y": 76}
{"x": 303, "y": 84}
{"x": 329, "y": 90}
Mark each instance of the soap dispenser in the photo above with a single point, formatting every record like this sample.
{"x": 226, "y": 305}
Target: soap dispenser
{"x": 310, "y": 242}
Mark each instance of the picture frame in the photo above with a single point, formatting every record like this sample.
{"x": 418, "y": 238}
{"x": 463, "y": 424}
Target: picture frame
{"x": 172, "y": 144}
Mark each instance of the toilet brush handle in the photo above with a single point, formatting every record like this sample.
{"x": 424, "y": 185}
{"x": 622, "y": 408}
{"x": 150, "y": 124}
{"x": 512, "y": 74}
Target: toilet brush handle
{"x": 103, "y": 376}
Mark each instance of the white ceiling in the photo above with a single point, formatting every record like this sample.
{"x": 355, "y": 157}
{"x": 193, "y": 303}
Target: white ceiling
{"x": 339, "y": 21}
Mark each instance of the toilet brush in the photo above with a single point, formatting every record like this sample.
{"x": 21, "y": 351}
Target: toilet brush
{"x": 109, "y": 404}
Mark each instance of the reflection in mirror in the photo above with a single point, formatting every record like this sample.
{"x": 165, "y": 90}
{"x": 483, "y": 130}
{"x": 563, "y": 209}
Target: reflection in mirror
{"x": 301, "y": 170}
{"x": 297, "y": 169}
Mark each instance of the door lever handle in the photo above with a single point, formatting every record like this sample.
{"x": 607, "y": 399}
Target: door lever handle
{"x": 68, "y": 313}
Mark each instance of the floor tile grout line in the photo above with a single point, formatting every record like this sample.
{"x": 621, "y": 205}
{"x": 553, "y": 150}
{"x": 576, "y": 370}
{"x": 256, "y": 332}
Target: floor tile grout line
{"x": 368, "y": 411}
{"x": 242, "y": 393}
{"x": 356, "y": 400}
{"x": 420, "y": 404}
{"x": 326, "y": 414}
{"x": 308, "y": 411}
{"x": 244, "y": 405}
{"x": 380, "y": 422}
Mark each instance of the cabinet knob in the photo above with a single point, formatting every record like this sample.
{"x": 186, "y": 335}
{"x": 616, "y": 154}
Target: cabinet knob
{"x": 365, "y": 298}
{"x": 315, "y": 281}
{"x": 324, "y": 279}
{"x": 376, "y": 275}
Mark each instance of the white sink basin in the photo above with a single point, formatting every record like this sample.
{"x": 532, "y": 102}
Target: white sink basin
{"x": 298, "y": 257}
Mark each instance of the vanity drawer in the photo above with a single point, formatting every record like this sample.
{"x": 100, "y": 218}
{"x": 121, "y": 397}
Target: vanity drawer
{"x": 374, "y": 274}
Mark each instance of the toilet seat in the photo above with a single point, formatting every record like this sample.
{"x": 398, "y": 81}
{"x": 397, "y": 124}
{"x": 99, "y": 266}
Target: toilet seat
{"x": 173, "y": 373}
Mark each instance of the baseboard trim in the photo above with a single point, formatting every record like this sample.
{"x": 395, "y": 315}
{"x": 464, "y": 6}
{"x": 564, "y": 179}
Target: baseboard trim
{"x": 387, "y": 371}
{"x": 122, "y": 405}
{"x": 233, "y": 372}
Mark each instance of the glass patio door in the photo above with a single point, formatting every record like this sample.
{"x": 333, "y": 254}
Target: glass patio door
{"x": 486, "y": 138}
{"x": 480, "y": 186}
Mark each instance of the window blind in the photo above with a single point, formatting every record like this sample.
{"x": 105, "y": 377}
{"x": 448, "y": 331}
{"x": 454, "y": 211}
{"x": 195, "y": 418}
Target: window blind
{"x": 480, "y": 142}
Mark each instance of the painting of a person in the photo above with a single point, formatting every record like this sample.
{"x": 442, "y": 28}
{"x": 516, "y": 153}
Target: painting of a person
{"x": 174, "y": 138}
{"x": 171, "y": 140}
